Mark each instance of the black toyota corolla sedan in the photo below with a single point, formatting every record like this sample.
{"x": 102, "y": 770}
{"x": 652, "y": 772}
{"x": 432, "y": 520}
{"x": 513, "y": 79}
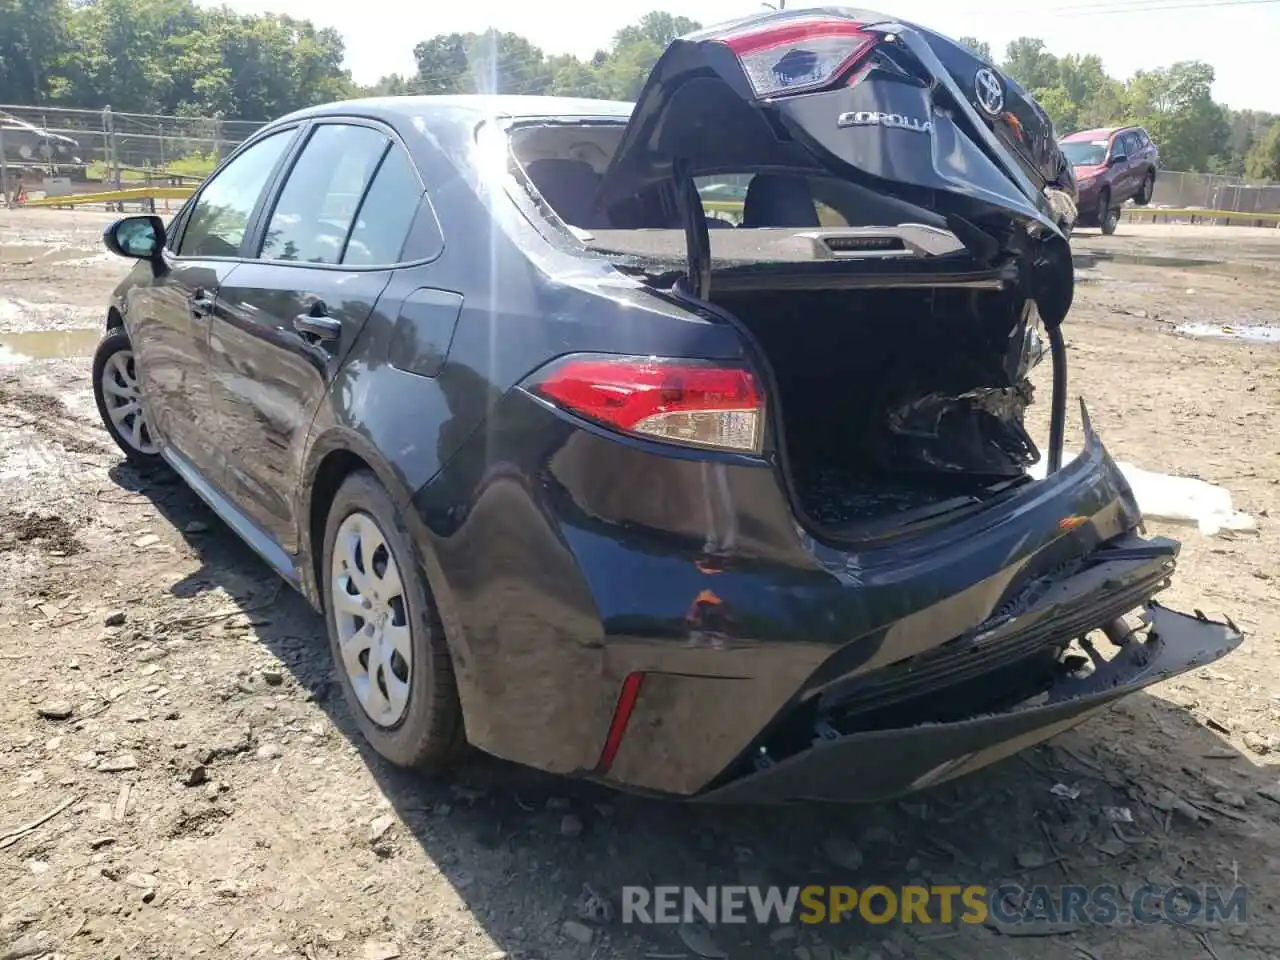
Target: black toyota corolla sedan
{"x": 701, "y": 498}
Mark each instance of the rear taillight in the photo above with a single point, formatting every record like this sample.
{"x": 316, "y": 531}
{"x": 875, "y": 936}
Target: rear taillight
{"x": 688, "y": 402}
{"x": 798, "y": 54}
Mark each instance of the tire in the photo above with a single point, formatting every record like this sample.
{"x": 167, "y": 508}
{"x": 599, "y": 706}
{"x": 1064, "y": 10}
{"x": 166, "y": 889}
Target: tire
{"x": 1148, "y": 188}
{"x": 115, "y": 387}
{"x": 1108, "y": 216}
{"x": 406, "y": 708}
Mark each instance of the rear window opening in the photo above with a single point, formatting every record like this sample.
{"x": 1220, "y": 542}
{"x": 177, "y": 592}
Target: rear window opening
{"x": 752, "y": 217}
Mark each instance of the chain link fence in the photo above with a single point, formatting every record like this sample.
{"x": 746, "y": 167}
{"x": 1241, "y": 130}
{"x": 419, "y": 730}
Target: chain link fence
{"x": 61, "y": 152}
{"x": 1210, "y": 191}
{"x": 64, "y": 151}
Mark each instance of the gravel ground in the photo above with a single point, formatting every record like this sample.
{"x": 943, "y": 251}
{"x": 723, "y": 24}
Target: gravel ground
{"x": 179, "y": 777}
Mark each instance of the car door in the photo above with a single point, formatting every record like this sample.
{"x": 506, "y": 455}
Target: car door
{"x": 326, "y": 251}
{"x": 169, "y": 317}
{"x": 1125, "y": 186}
{"x": 1147, "y": 152}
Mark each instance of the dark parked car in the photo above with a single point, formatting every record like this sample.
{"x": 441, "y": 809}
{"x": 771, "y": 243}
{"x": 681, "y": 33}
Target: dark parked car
{"x": 1111, "y": 166}
{"x": 594, "y": 481}
{"x": 27, "y": 145}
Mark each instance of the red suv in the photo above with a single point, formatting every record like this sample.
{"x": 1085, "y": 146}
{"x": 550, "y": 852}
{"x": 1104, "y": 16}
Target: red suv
{"x": 1111, "y": 166}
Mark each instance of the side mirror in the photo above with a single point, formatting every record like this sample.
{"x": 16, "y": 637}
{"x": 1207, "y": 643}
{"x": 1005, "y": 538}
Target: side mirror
{"x": 136, "y": 238}
{"x": 1117, "y": 158}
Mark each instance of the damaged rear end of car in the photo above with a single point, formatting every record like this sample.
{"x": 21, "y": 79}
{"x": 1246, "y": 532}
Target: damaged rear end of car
{"x": 824, "y": 403}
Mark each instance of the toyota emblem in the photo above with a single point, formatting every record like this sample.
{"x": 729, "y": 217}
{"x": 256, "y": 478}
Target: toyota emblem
{"x": 989, "y": 91}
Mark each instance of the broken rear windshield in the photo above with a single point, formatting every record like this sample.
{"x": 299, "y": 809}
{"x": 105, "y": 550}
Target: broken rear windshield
{"x": 752, "y": 217}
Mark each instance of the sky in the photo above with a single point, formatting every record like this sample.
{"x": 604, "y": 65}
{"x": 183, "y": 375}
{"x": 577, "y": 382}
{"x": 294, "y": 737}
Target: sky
{"x": 1237, "y": 38}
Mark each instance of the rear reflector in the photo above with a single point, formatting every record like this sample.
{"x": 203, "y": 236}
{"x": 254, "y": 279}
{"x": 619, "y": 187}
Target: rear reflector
{"x": 621, "y": 717}
{"x": 798, "y": 54}
{"x": 688, "y": 402}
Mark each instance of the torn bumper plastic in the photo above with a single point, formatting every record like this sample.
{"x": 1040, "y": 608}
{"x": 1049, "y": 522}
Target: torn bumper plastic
{"x": 882, "y": 764}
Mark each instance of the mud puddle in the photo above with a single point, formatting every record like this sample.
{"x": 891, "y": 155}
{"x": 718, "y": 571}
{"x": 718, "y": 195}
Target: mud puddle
{"x": 1227, "y": 331}
{"x": 30, "y": 254}
{"x": 1085, "y": 260}
{"x": 48, "y": 344}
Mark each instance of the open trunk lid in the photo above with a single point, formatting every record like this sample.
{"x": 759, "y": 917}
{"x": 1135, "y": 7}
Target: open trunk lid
{"x": 897, "y": 110}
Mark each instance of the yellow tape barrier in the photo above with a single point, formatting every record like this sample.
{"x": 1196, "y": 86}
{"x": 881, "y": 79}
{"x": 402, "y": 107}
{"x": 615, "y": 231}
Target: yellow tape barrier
{"x": 735, "y": 207}
{"x": 113, "y": 196}
{"x": 1154, "y": 212}
{"x": 718, "y": 206}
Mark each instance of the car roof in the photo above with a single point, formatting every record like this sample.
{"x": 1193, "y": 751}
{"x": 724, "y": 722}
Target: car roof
{"x": 449, "y": 107}
{"x": 1101, "y": 133}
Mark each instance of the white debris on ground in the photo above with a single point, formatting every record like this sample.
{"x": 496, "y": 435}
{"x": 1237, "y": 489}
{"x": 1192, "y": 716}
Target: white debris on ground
{"x": 1226, "y": 331}
{"x": 1162, "y": 496}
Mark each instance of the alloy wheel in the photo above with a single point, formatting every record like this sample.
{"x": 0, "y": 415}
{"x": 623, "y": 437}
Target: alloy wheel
{"x": 371, "y": 617}
{"x": 123, "y": 396}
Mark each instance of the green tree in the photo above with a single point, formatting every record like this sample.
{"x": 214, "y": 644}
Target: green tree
{"x": 1176, "y": 107}
{"x": 33, "y": 35}
{"x": 489, "y": 62}
{"x": 1028, "y": 62}
{"x": 1263, "y": 161}
{"x": 980, "y": 47}
{"x": 442, "y": 64}
{"x": 174, "y": 57}
{"x": 392, "y": 85}
{"x": 1063, "y": 110}
{"x": 120, "y": 53}
{"x": 1247, "y": 128}
{"x": 657, "y": 27}
{"x": 495, "y": 62}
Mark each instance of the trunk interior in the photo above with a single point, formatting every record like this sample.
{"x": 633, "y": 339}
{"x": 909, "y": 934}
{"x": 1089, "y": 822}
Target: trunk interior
{"x": 897, "y": 406}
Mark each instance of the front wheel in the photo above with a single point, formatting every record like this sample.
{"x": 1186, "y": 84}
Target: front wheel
{"x": 386, "y": 639}
{"x": 118, "y": 393}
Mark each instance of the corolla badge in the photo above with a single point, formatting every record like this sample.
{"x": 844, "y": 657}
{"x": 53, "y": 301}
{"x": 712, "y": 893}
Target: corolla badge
{"x": 873, "y": 118}
{"x": 989, "y": 91}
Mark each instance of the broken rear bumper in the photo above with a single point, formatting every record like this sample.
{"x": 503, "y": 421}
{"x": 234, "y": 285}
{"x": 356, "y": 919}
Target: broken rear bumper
{"x": 881, "y": 764}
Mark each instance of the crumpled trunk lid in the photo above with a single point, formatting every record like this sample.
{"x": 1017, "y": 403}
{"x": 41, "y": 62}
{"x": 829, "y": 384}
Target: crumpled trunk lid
{"x": 857, "y": 95}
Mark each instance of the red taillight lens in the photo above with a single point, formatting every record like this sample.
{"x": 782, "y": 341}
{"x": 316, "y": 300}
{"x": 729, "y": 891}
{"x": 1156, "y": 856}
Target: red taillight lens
{"x": 681, "y": 401}
{"x": 798, "y": 54}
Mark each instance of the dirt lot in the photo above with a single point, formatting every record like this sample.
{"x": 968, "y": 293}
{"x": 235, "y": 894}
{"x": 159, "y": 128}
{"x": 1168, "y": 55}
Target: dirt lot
{"x": 196, "y": 788}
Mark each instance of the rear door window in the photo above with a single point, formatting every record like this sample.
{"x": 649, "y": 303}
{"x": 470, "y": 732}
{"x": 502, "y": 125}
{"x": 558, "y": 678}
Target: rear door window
{"x": 217, "y": 223}
{"x": 317, "y": 206}
{"x": 382, "y": 225}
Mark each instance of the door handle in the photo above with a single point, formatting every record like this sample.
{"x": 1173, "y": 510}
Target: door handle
{"x": 201, "y": 303}
{"x": 316, "y": 324}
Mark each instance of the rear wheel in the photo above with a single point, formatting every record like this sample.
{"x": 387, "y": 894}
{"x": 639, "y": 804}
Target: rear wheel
{"x": 385, "y": 636}
{"x": 1148, "y": 188}
{"x": 118, "y": 393}
{"x": 1108, "y": 215}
